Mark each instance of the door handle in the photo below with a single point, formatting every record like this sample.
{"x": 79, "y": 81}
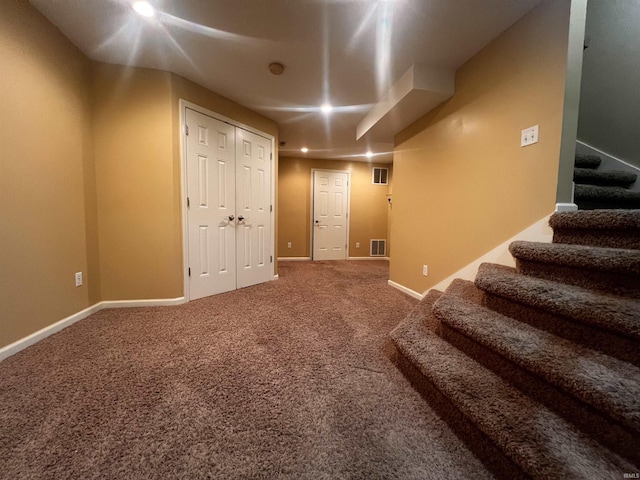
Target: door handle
{"x": 231, "y": 217}
{"x": 240, "y": 218}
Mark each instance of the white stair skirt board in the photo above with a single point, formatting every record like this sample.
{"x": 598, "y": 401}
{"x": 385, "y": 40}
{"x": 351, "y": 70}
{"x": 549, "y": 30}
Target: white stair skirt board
{"x": 404, "y": 289}
{"x": 538, "y": 232}
{"x": 35, "y": 337}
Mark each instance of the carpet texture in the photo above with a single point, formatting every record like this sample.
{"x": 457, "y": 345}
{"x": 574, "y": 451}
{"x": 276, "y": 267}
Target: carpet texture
{"x": 542, "y": 360}
{"x": 290, "y": 379}
{"x": 602, "y": 189}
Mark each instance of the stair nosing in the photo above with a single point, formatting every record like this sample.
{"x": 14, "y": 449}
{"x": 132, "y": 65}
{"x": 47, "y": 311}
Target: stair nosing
{"x": 489, "y": 277}
{"x": 579, "y": 387}
{"x": 504, "y": 397}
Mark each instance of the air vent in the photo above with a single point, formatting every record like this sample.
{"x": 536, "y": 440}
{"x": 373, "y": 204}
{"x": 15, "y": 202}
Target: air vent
{"x": 378, "y": 248}
{"x": 380, "y": 176}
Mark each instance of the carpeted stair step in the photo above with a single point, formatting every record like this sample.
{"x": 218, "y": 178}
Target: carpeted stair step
{"x": 598, "y": 228}
{"x": 494, "y": 415}
{"x": 613, "y": 178}
{"x": 590, "y": 197}
{"x": 599, "y": 393}
{"x": 613, "y": 270}
{"x": 587, "y": 161}
{"x": 595, "y": 320}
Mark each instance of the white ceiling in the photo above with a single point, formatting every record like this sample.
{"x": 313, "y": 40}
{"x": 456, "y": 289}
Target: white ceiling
{"x": 345, "y": 52}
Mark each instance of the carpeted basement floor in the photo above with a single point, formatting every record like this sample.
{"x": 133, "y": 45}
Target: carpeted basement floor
{"x": 290, "y": 379}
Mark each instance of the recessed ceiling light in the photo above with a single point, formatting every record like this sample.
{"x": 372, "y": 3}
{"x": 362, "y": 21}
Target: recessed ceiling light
{"x": 326, "y": 108}
{"x": 144, "y": 8}
{"x": 304, "y": 149}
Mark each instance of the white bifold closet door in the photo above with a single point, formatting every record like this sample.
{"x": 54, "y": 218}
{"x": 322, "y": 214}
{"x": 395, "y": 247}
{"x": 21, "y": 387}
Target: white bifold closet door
{"x": 229, "y": 206}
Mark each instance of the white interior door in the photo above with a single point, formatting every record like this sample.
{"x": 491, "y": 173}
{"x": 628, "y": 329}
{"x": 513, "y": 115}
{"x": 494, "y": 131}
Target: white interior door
{"x": 228, "y": 172}
{"x": 211, "y": 146}
{"x": 330, "y": 215}
{"x": 253, "y": 208}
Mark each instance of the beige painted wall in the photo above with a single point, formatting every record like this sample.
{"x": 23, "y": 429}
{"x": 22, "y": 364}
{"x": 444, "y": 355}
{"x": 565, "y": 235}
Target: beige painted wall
{"x": 462, "y": 183}
{"x": 369, "y": 206}
{"x": 45, "y": 148}
{"x": 140, "y": 256}
{"x": 90, "y": 176}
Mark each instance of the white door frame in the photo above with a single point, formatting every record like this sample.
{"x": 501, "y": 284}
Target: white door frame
{"x": 183, "y": 105}
{"x": 313, "y": 173}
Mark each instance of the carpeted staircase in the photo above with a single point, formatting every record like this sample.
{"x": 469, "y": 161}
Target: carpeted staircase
{"x": 537, "y": 368}
{"x": 596, "y": 189}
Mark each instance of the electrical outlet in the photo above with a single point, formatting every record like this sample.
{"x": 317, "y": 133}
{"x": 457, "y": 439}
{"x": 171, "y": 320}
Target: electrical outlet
{"x": 425, "y": 270}
{"x": 529, "y": 136}
{"x": 357, "y": 244}
{"x": 78, "y": 279}
{"x": 289, "y": 245}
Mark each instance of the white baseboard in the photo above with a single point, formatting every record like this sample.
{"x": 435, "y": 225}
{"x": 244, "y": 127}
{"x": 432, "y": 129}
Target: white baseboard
{"x": 368, "y": 258}
{"x": 293, "y": 259}
{"x": 406, "y": 290}
{"x": 276, "y": 277}
{"x": 158, "y": 302}
{"x": 35, "y": 337}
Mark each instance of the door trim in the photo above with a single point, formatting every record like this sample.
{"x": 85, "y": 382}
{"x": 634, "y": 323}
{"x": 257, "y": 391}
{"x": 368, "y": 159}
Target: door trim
{"x": 183, "y": 105}
{"x": 311, "y": 226}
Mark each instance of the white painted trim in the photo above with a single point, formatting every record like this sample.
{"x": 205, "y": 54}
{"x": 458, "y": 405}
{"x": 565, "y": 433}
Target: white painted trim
{"x": 608, "y": 155}
{"x": 406, "y": 290}
{"x": 35, "y": 337}
{"x": 566, "y": 207}
{"x": 183, "y": 105}
{"x": 538, "y": 232}
{"x": 293, "y": 259}
{"x": 157, "y": 302}
{"x": 368, "y": 258}
{"x": 276, "y": 277}
{"x": 348, "y": 172}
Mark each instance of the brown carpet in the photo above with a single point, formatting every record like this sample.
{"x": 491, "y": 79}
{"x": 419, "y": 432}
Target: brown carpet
{"x": 290, "y": 379}
{"x": 539, "y": 365}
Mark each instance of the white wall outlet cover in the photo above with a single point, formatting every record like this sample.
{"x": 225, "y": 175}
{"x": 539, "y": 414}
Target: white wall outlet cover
{"x": 357, "y": 244}
{"x": 425, "y": 270}
{"x": 78, "y": 279}
{"x": 529, "y": 136}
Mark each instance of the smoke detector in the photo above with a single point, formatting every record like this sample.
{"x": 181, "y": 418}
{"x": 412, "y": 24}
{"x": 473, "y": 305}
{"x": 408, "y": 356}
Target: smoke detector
{"x": 276, "y": 68}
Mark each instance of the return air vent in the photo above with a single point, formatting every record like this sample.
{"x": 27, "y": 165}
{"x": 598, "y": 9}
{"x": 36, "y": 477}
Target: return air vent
{"x": 378, "y": 248}
{"x": 380, "y": 176}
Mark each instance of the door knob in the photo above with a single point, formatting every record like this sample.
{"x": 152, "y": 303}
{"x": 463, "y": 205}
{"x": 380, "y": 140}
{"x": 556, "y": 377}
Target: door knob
{"x": 231, "y": 217}
{"x": 240, "y": 218}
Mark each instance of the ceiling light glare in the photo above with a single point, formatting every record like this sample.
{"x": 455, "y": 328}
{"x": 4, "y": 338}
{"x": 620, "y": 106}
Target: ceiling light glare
{"x": 304, "y": 149}
{"x": 369, "y": 154}
{"x": 144, "y": 8}
{"x": 326, "y": 108}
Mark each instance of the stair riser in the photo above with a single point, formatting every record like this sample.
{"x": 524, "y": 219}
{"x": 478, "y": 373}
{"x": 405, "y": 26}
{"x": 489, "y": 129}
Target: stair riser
{"x": 587, "y": 418}
{"x": 599, "y": 238}
{"x": 588, "y": 204}
{"x": 623, "y": 285}
{"x": 618, "y": 346}
{"x": 482, "y": 447}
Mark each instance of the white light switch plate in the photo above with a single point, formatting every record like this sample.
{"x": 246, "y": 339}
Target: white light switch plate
{"x": 529, "y": 136}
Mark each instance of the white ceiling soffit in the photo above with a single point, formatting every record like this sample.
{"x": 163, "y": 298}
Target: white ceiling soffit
{"x": 418, "y": 91}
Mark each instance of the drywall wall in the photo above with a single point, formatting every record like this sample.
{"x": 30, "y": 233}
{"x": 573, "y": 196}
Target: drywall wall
{"x": 140, "y": 246}
{"x": 609, "y": 98}
{"x": 462, "y": 183}
{"x": 45, "y": 151}
{"x": 368, "y": 214}
{"x": 575, "y": 44}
